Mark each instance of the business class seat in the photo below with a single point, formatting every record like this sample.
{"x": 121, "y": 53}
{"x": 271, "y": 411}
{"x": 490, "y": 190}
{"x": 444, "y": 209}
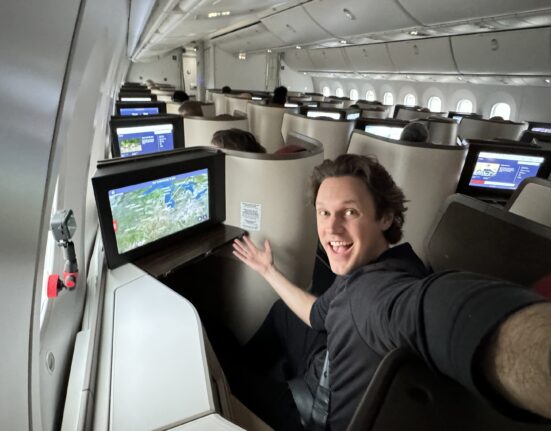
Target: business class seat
{"x": 333, "y": 134}
{"x": 198, "y": 131}
{"x": 472, "y": 235}
{"x": 265, "y": 124}
{"x": 409, "y": 113}
{"x": 372, "y": 112}
{"x": 532, "y": 200}
{"x": 442, "y": 131}
{"x": 207, "y": 108}
{"x": 478, "y": 128}
{"x": 220, "y": 103}
{"x": 328, "y": 103}
{"x": 237, "y": 103}
{"x": 427, "y": 174}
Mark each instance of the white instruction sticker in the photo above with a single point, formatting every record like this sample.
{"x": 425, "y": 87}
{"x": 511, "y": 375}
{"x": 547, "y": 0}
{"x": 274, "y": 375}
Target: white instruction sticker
{"x": 251, "y": 215}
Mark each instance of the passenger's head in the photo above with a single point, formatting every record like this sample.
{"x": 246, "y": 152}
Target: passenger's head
{"x": 226, "y": 89}
{"x": 388, "y": 198}
{"x": 280, "y": 96}
{"x": 180, "y": 96}
{"x": 497, "y": 118}
{"x": 415, "y": 132}
{"x": 190, "y": 108}
{"x": 236, "y": 139}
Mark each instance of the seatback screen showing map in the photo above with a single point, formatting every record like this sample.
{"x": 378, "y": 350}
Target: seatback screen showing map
{"x": 145, "y": 212}
{"x": 151, "y": 138}
{"x": 504, "y": 171}
{"x": 139, "y": 111}
{"x": 384, "y": 131}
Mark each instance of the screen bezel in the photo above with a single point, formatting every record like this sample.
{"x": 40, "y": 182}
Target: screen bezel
{"x": 478, "y": 146}
{"x": 152, "y": 104}
{"x": 114, "y": 174}
{"x": 145, "y": 120}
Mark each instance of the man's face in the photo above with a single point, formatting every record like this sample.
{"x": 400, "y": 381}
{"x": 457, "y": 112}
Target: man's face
{"x": 347, "y": 225}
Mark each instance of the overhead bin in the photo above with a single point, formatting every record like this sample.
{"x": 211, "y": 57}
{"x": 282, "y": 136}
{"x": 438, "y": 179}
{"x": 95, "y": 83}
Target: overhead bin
{"x": 370, "y": 58}
{"x": 294, "y": 26}
{"x": 329, "y": 59}
{"x": 299, "y": 59}
{"x": 423, "y": 56}
{"x": 520, "y": 52}
{"x": 352, "y": 17}
{"x": 251, "y": 38}
{"x": 447, "y": 11}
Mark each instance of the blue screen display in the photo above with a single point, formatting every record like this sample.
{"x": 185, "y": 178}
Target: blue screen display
{"x": 152, "y": 110}
{"x": 504, "y": 171}
{"x": 138, "y": 140}
{"x": 353, "y": 116}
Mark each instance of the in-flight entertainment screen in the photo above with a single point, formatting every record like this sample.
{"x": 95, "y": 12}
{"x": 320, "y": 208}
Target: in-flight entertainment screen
{"x": 504, "y": 171}
{"x": 384, "y": 131}
{"x": 138, "y": 140}
{"x": 145, "y": 212}
{"x": 333, "y": 115}
{"x": 139, "y": 111}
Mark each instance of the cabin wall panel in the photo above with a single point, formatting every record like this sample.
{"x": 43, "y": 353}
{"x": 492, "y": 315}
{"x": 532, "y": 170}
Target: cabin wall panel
{"x": 246, "y": 74}
{"x": 295, "y": 81}
{"x": 251, "y": 38}
{"x": 165, "y": 70}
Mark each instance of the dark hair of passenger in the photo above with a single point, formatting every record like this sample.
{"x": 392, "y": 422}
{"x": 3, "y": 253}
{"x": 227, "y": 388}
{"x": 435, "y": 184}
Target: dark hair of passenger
{"x": 415, "y": 132}
{"x": 180, "y": 96}
{"x": 237, "y": 139}
{"x": 190, "y": 108}
{"x": 280, "y": 96}
{"x": 226, "y": 89}
{"x": 387, "y": 196}
{"x": 497, "y": 118}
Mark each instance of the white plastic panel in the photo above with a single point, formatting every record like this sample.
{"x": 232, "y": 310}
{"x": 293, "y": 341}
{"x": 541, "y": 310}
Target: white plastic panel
{"x": 453, "y": 10}
{"x": 248, "y": 39}
{"x": 369, "y": 16}
{"x": 523, "y": 52}
{"x": 330, "y": 59}
{"x": 423, "y": 56}
{"x": 295, "y": 26}
{"x": 299, "y": 59}
{"x": 208, "y": 423}
{"x": 370, "y": 58}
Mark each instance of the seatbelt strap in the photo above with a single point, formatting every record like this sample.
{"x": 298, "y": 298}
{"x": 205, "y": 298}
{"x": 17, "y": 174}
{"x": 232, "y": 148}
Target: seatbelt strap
{"x": 322, "y": 398}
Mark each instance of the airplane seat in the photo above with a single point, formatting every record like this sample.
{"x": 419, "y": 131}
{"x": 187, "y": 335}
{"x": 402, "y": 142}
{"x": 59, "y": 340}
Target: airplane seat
{"x": 220, "y": 103}
{"x": 411, "y": 114}
{"x": 374, "y": 113}
{"x": 338, "y": 104}
{"x": 267, "y": 195}
{"x": 472, "y": 235}
{"x": 532, "y": 200}
{"x": 296, "y": 99}
{"x": 198, "y": 131}
{"x": 208, "y": 109}
{"x": 426, "y": 173}
{"x": 333, "y": 134}
{"x": 237, "y": 103}
{"x": 316, "y": 97}
{"x": 442, "y": 131}
{"x": 479, "y": 128}
{"x": 172, "y": 107}
{"x": 425, "y": 400}
{"x": 265, "y": 124}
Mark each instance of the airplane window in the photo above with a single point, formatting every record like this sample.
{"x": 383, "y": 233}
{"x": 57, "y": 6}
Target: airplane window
{"x": 326, "y": 91}
{"x": 388, "y": 98}
{"x": 409, "y": 100}
{"x": 435, "y": 104}
{"x": 464, "y": 105}
{"x": 339, "y": 92}
{"x": 354, "y": 95}
{"x": 502, "y": 110}
{"x": 370, "y": 96}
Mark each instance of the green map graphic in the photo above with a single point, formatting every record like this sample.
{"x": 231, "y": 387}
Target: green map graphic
{"x": 153, "y": 211}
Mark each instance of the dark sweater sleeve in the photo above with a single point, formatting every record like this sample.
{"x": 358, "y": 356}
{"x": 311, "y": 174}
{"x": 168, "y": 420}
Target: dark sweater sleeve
{"x": 321, "y": 307}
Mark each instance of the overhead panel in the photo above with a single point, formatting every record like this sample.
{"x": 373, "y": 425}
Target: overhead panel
{"x": 517, "y": 52}
{"x": 298, "y": 59}
{"x": 294, "y": 26}
{"x": 452, "y": 10}
{"x": 251, "y": 38}
{"x": 423, "y": 56}
{"x": 352, "y": 17}
{"x": 369, "y": 58}
{"x": 329, "y": 59}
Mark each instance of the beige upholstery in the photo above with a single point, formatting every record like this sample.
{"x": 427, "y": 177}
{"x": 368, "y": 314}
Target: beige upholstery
{"x": 237, "y": 104}
{"x": 316, "y": 97}
{"x": 426, "y": 173}
{"x": 532, "y": 200}
{"x": 172, "y": 107}
{"x": 208, "y": 109}
{"x": 265, "y": 124}
{"x": 220, "y": 103}
{"x": 478, "y": 128}
{"x": 198, "y": 131}
{"x": 333, "y": 134}
{"x": 274, "y": 189}
{"x": 442, "y": 131}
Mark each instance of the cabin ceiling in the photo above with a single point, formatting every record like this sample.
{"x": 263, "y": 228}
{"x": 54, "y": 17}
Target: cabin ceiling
{"x": 157, "y": 27}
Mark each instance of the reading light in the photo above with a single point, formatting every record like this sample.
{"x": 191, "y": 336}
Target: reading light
{"x": 268, "y": 51}
{"x": 548, "y": 80}
{"x": 218, "y": 14}
{"x": 242, "y": 56}
{"x": 414, "y": 32}
{"x": 459, "y": 78}
{"x": 299, "y": 47}
{"x": 344, "y": 42}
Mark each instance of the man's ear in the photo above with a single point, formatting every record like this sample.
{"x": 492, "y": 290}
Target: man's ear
{"x": 387, "y": 219}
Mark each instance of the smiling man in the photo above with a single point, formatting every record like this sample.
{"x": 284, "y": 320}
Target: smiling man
{"x": 384, "y": 298}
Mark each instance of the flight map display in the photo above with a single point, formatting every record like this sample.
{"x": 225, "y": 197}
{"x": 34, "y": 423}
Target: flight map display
{"x": 143, "y": 213}
{"x": 138, "y": 140}
{"x": 133, "y": 112}
{"x": 504, "y": 171}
